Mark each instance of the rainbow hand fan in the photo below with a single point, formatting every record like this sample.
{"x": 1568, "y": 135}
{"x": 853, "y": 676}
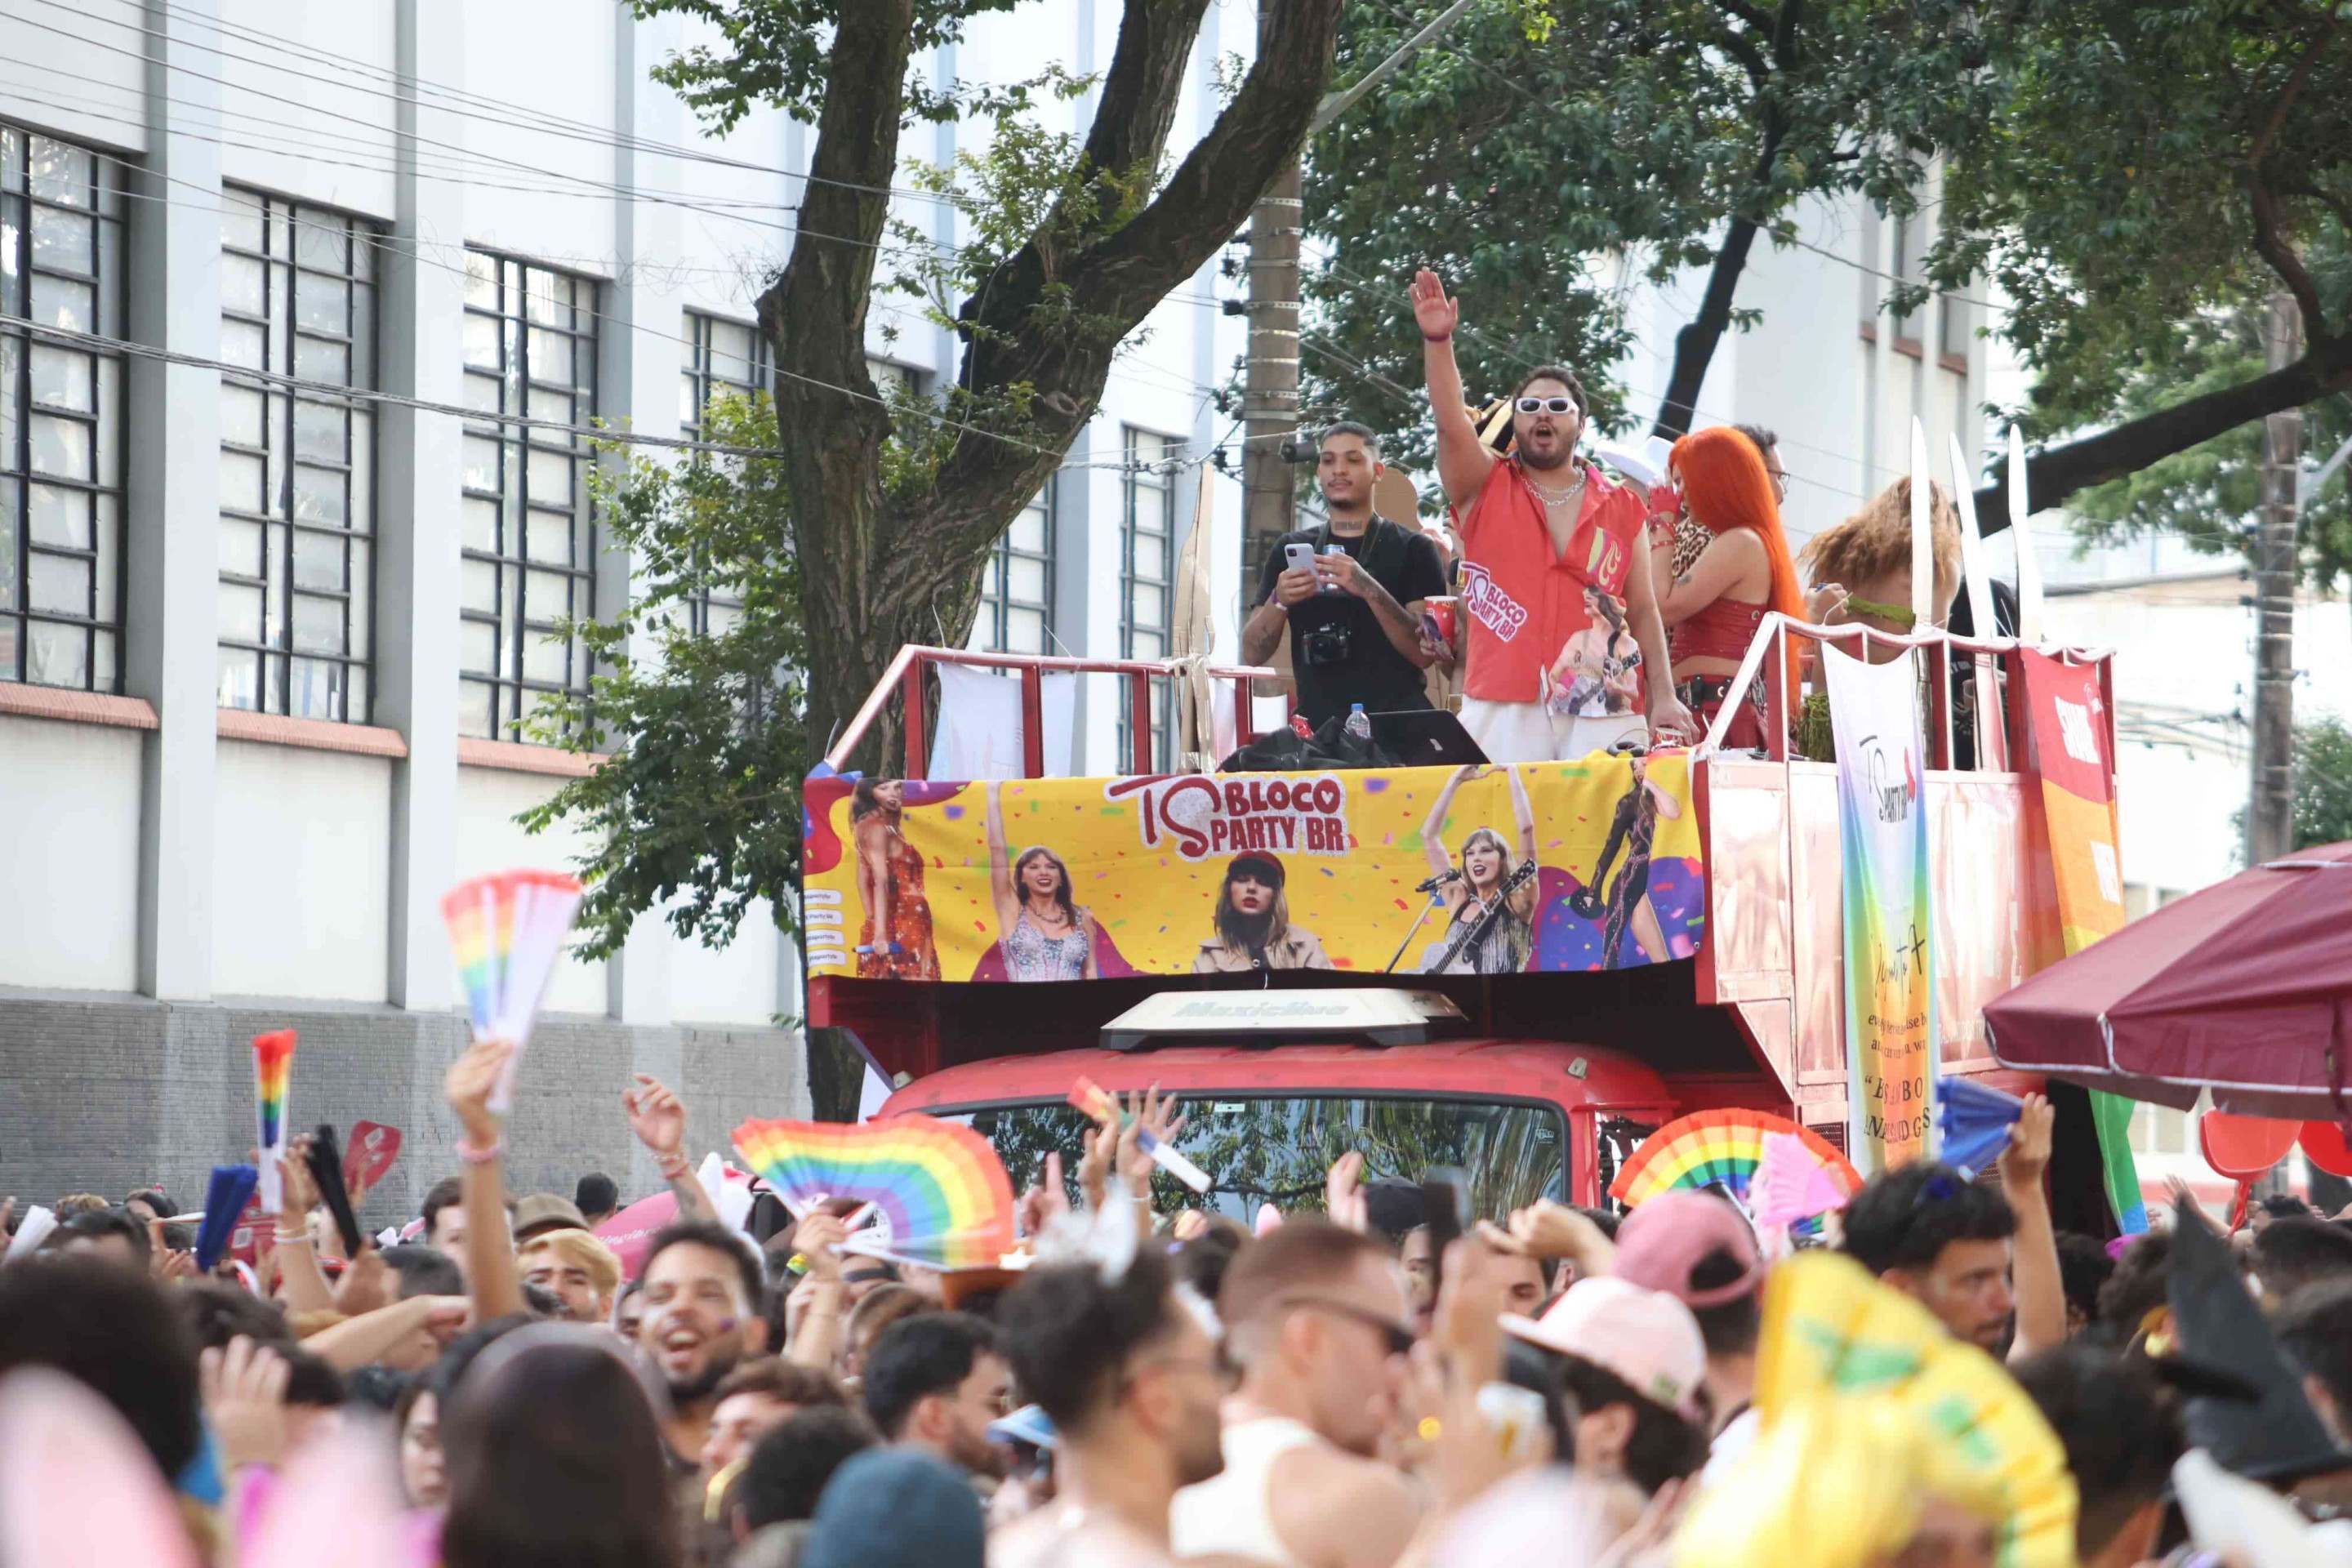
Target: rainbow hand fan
{"x": 942, "y": 1197}
{"x": 1792, "y": 1187}
{"x": 1832, "y": 1332}
{"x": 507, "y": 932}
{"x": 273, "y": 1076}
{"x": 1719, "y": 1148}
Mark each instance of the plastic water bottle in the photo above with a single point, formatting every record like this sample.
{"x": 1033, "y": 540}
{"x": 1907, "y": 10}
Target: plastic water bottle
{"x": 1357, "y": 725}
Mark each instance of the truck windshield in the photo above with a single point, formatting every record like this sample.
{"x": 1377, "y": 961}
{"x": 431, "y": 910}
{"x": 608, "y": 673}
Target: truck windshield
{"x": 1276, "y": 1149}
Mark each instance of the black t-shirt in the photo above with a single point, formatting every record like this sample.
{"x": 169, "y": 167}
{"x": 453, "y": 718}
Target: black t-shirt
{"x": 1374, "y": 674}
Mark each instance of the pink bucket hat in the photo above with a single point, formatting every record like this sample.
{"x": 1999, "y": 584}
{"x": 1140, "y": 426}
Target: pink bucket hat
{"x": 1646, "y": 1339}
{"x": 1668, "y": 1236}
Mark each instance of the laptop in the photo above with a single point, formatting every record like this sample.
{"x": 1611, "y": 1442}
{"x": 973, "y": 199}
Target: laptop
{"x": 1425, "y": 738}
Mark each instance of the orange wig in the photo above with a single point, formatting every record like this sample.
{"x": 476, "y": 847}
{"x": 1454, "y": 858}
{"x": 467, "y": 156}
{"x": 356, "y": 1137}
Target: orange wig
{"x": 1727, "y": 486}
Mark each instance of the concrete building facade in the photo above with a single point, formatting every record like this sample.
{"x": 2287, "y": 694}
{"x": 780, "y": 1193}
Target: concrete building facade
{"x": 279, "y": 563}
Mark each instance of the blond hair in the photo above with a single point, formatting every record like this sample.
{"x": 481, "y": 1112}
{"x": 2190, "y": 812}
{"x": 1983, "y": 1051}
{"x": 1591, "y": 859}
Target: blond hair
{"x": 1875, "y": 541}
{"x": 580, "y": 1250}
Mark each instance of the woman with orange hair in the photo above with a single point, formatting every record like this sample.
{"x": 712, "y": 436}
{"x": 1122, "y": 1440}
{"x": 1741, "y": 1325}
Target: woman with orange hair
{"x": 1713, "y": 610}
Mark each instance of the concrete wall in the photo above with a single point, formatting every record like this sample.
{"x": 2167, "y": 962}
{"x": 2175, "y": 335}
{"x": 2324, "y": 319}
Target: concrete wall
{"x": 301, "y": 863}
{"x": 68, "y": 855}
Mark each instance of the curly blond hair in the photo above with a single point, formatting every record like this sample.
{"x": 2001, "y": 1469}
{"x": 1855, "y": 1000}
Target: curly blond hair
{"x": 1875, "y": 541}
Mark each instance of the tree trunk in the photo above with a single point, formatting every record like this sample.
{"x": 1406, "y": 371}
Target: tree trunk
{"x": 2057, "y": 472}
{"x": 2269, "y": 808}
{"x": 1695, "y": 344}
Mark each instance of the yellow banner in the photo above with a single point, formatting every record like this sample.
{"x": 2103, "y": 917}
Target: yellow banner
{"x": 1554, "y": 866}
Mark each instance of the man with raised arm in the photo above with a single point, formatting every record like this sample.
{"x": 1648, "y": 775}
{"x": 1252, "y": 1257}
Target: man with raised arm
{"x": 1559, "y": 613}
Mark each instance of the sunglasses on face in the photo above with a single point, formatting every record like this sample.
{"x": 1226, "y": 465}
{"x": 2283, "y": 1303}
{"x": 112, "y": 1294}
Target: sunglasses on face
{"x": 1398, "y": 1337}
{"x": 1547, "y": 405}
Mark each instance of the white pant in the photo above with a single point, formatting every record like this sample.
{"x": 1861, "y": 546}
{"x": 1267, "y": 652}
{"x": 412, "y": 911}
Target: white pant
{"x": 1529, "y": 732}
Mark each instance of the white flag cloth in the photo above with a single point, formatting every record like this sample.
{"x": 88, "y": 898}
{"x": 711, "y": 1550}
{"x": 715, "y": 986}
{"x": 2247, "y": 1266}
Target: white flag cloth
{"x": 980, "y": 725}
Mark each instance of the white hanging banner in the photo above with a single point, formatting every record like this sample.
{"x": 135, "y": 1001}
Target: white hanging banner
{"x": 979, "y": 734}
{"x": 1890, "y": 995}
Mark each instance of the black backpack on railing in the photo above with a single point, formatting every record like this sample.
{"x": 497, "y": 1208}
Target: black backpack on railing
{"x": 1285, "y": 752}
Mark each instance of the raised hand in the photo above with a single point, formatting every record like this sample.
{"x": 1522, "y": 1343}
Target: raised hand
{"x": 817, "y": 1238}
{"x": 1156, "y": 1117}
{"x": 2027, "y": 1154}
{"x": 1344, "y": 1203}
{"x": 472, "y": 1079}
{"x": 294, "y": 1179}
{"x": 366, "y": 1284}
{"x": 1436, "y": 315}
{"x": 656, "y": 1116}
{"x": 244, "y": 1388}
{"x": 1046, "y": 1202}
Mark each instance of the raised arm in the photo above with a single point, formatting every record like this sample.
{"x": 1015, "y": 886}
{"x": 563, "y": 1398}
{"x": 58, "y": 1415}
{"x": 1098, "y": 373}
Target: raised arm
{"x": 658, "y": 1119}
{"x": 302, "y": 1280}
{"x": 999, "y": 866}
{"x": 2041, "y": 1295}
{"x": 1463, "y": 461}
{"x": 491, "y": 1276}
{"x": 1433, "y": 832}
{"x": 1522, "y": 897}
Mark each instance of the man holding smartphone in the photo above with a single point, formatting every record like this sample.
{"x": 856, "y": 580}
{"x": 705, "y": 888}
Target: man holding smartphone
{"x": 1351, "y": 592}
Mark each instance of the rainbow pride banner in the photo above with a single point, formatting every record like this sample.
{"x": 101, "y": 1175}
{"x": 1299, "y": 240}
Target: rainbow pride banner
{"x": 1890, "y": 994}
{"x": 2066, "y": 725}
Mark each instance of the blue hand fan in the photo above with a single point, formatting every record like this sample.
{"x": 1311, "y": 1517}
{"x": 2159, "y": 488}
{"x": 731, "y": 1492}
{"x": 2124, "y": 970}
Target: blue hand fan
{"x": 1974, "y": 1121}
{"x": 225, "y": 1196}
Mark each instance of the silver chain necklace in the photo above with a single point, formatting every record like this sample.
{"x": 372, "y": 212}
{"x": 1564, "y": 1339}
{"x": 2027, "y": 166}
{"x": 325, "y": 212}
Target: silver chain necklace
{"x": 1556, "y": 498}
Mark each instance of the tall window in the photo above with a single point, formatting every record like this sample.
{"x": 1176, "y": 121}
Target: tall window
{"x": 1147, "y": 567}
{"x": 529, "y": 542}
{"x": 298, "y": 471}
{"x": 1956, "y": 333}
{"x": 727, "y": 359}
{"x": 60, "y": 416}
{"x": 1907, "y": 252}
{"x": 1016, "y": 593}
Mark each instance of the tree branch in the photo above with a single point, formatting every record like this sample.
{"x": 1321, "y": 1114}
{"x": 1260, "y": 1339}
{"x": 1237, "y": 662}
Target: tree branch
{"x": 1114, "y": 282}
{"x": 2271, "y": 243}
{"x": 2057, "y": 472}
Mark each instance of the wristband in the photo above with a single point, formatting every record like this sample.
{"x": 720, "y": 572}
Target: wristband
{"x": 473, "y": 1156}
{"x": 285, "y": 1240}
{"x": 1440, "y": 338}
{"x": 673, "y": 1167}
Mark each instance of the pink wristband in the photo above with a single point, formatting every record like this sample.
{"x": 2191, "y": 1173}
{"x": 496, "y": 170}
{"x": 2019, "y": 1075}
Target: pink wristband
{"x": 473, "y": 1156}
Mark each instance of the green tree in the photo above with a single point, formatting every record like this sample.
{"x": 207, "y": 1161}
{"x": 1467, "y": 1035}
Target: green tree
{"x": 698, "y": 695}
{"x": 2210, "y": 495}
{"x": 2125, "y": 170}
{"x": 1534, "y": 137}
{"x": 1076, "y": 241}
{"x": 2322, "y": 783}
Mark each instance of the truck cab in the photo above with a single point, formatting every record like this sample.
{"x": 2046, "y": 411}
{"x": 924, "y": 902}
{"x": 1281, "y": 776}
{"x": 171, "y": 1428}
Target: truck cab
{"x": 1539, "y": 1083}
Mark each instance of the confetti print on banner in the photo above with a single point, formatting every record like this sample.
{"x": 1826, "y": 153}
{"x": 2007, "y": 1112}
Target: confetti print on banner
{"x": 1149, "y": 864}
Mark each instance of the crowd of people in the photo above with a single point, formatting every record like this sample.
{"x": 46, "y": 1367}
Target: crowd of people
{"x": 1344, "y": 1389}
{"x": 1585, "y": 610}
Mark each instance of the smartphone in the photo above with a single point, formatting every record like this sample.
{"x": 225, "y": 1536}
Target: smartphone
{"x": 1299, "y": 557}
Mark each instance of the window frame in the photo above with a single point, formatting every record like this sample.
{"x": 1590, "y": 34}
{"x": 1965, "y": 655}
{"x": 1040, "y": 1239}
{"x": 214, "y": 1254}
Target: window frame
{"x": 702, "y": 382}
{"x": 275, "y": 656}
{"x": 511, "y": 275}
{"x": 997, "y": 604}
{"x": 104, "y": 372}
{"x": 1137, "y": 479}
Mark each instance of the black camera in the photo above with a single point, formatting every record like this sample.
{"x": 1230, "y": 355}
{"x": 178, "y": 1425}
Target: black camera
{"x": 1333, "y": 642}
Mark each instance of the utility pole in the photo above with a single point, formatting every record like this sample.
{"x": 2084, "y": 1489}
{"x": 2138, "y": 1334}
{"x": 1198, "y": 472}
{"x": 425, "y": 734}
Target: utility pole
{"x": 1270, "y": 379}
{"x": 2270, "y": 802}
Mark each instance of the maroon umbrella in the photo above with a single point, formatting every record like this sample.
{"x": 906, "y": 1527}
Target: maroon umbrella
{"x": 2245, "y": 988}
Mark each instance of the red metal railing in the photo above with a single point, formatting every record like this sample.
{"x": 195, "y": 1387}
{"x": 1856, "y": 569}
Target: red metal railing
{"x": 2000, "y": 735}
{"x": 906, "y": 676}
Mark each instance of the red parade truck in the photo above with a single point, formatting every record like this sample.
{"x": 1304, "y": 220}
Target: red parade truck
{"x": 1538, "y": 1083}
